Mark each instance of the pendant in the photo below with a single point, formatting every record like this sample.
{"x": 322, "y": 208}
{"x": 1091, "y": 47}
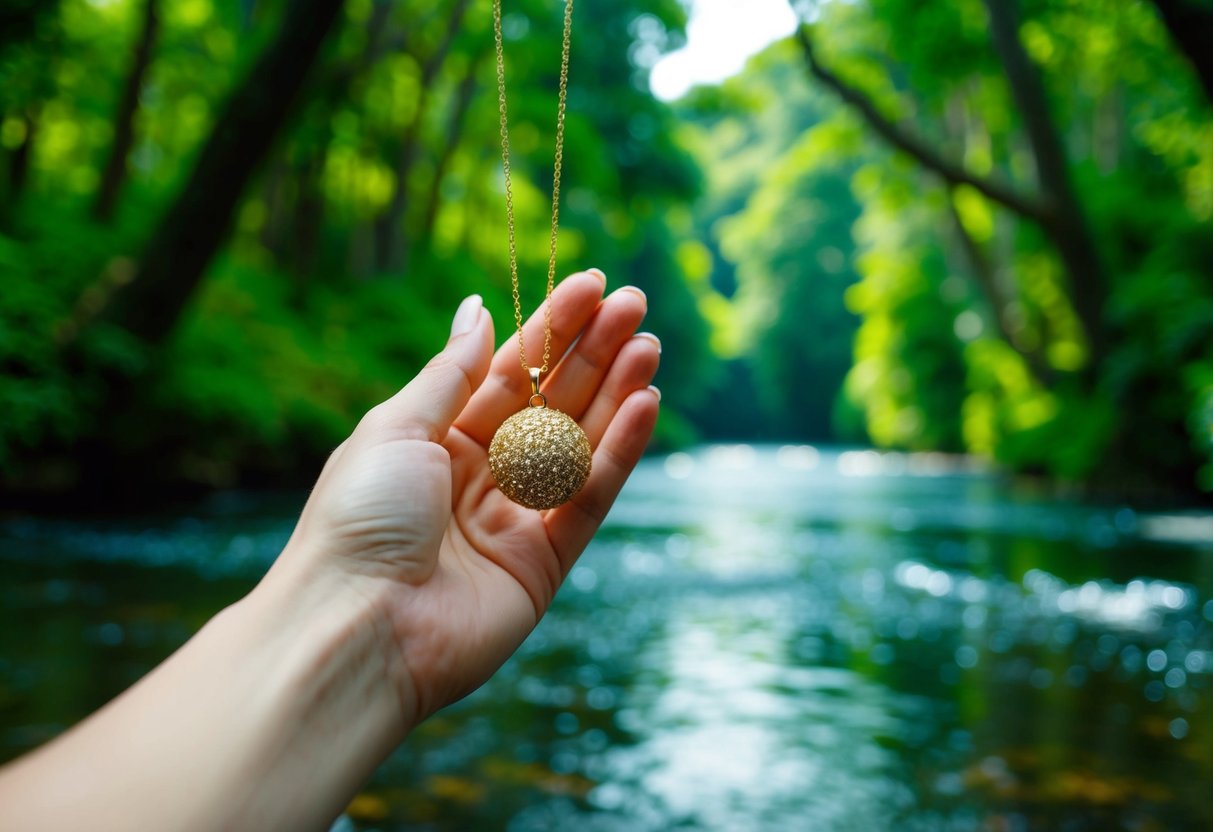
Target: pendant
{"x": 539, "y": 456}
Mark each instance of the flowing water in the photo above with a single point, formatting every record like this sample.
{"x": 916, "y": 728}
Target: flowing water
{"x": 760, "y": 639}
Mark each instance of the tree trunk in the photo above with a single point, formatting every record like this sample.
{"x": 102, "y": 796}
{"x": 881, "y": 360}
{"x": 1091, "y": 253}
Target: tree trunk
{"x": 459, "y": 111}
{"x": 982, "y": 272}
{"x": 19, "y": 158}
{"x": 115, "y": 171}
{"x": 1190, "y": 23}
{"x": 275, "y": 232}
{"x": 1056, "y": 209}
{"x": 1067, "y": 224}
{"x": 918, "y": 148}
{"x": 308, "y": 219}
{"x": 21, "y": 19}
{"x": 391, "y": 239}
{"x": 1108, "y": 131}
{"x": 389, "y": 226}
{"x": 196, "y": 224}
{"x": 299, "y": 208}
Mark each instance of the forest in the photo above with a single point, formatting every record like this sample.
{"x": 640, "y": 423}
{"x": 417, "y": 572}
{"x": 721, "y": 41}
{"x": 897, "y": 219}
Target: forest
{"x": 976, "y": 226}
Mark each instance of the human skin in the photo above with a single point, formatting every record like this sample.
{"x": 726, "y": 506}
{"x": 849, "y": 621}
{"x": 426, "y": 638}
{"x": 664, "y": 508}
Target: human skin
{"x": 408, "y": 580}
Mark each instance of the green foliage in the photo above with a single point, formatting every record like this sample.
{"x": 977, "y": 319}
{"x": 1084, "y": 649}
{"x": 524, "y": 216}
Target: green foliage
{"x": 794, "y": 256}
{"x": 908, "y": 376}
{"x": 968, "y": 343}
{"x": 35, "y": 391}
{"x": 1009, "y": 416}
{"x": 779, "y": 253}
{"x": 267, "y": 386}
{"x": 301, "y": 324}
{"x": 939, "y": 362}
{"x": 805, "y": 280}
{"x": 48, "y": 386}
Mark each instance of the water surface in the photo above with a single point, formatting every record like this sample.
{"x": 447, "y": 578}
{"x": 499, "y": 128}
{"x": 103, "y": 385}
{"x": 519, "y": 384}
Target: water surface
{"x": 760, "y": 638}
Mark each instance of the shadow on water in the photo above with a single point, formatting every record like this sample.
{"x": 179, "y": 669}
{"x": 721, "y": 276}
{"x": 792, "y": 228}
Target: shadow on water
{"x": 771, "y": 638}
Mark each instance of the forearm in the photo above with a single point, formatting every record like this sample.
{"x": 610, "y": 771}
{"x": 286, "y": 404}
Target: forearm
{"x": 269, "y": 718}
{"x": 273, "y": 715}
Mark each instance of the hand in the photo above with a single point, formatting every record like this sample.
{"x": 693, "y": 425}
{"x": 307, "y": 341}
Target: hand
{"x": 407, "y": 514}
{"x": 408, "y": 581}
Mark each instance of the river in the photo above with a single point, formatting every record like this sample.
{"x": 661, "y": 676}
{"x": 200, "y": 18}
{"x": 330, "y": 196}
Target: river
{"x": 760, "y": 638}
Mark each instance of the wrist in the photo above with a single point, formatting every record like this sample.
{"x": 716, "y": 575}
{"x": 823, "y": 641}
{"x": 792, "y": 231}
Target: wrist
{"x": 328, "y": 626}
{"x": 271, "y": 717}
{"x": 329, "y": 686}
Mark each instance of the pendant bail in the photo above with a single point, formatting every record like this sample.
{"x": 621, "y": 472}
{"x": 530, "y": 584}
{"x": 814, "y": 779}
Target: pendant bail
{"x": 535, "y": 394}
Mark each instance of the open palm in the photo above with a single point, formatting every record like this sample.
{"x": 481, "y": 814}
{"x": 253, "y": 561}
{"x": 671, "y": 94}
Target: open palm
{"x": 407, "y": 510}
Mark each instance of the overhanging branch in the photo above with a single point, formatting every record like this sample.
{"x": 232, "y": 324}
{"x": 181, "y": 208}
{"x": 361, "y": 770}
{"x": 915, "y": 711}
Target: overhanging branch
{"x": 982, "y": 272}
{"x": 1025, "y": 205}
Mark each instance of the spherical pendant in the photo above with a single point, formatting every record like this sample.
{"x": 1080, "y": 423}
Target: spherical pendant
{"x": 540, "y": 457}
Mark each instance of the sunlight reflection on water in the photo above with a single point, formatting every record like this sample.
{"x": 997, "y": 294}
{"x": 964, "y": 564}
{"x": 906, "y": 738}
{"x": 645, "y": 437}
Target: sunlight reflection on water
{"x": 760, "y": 638}
{"x": 860, "y": 640}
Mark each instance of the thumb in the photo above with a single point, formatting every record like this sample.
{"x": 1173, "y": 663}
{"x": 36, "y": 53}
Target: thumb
{"x": 428, "y": 404}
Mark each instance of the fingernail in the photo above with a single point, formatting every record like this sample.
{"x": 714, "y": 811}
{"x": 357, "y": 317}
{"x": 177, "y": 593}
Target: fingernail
{"x": 656, "y": 341}
{"x": 656, "y": 392}
{"x": 466, "y": 315}
{"x": 635, "y": 291}
{"x": 598, "y": 273}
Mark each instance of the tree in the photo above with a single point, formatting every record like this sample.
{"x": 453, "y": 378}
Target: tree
{"x": 237, "y": 316}
{"x": 456, "y": 122}
{"x": 391, "y": 239}
{"x": 1056, "y": 208}
{"x": 1066, "y": 225}
{"x": 196, "y": 223}
{"x": 124, "y": 119}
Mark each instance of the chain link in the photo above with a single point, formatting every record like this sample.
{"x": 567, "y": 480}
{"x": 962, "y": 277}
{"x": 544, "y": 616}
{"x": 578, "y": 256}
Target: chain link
{"x": 509, "y": 188}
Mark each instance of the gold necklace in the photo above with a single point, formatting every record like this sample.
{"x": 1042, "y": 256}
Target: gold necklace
{"x": 539, "y": 456}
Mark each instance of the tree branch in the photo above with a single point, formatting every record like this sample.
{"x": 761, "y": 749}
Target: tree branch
{"x": 1025, "y": 205}
{"x": 982, "y": 272}
{"x": 459, "y": 110}
{"x": 1068, "y": 229}
{"x": 197, "y": 222}
{"x": 1057, "y": 210}
{"x": 392, "y": 242}
{"x": 19, "y": 157}
{"x": 124, "y": 120}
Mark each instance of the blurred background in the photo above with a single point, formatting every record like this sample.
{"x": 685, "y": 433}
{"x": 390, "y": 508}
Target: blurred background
{"x": 924, "y": 541}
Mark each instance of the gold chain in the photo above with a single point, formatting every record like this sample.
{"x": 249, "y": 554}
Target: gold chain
{"x": 509, "y": 189}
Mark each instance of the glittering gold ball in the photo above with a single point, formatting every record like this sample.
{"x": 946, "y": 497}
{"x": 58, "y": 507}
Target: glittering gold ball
{"x": 539, "y": 457}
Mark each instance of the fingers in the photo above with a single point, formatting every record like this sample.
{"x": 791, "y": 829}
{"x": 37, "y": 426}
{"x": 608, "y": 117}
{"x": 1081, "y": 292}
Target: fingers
{"x": 571, "y": 526}
{"x": 632, "y": 370}
{"x": 505, "y": 390}
{"x": 576, "y": 379}
{"x": 428, "y": 404}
